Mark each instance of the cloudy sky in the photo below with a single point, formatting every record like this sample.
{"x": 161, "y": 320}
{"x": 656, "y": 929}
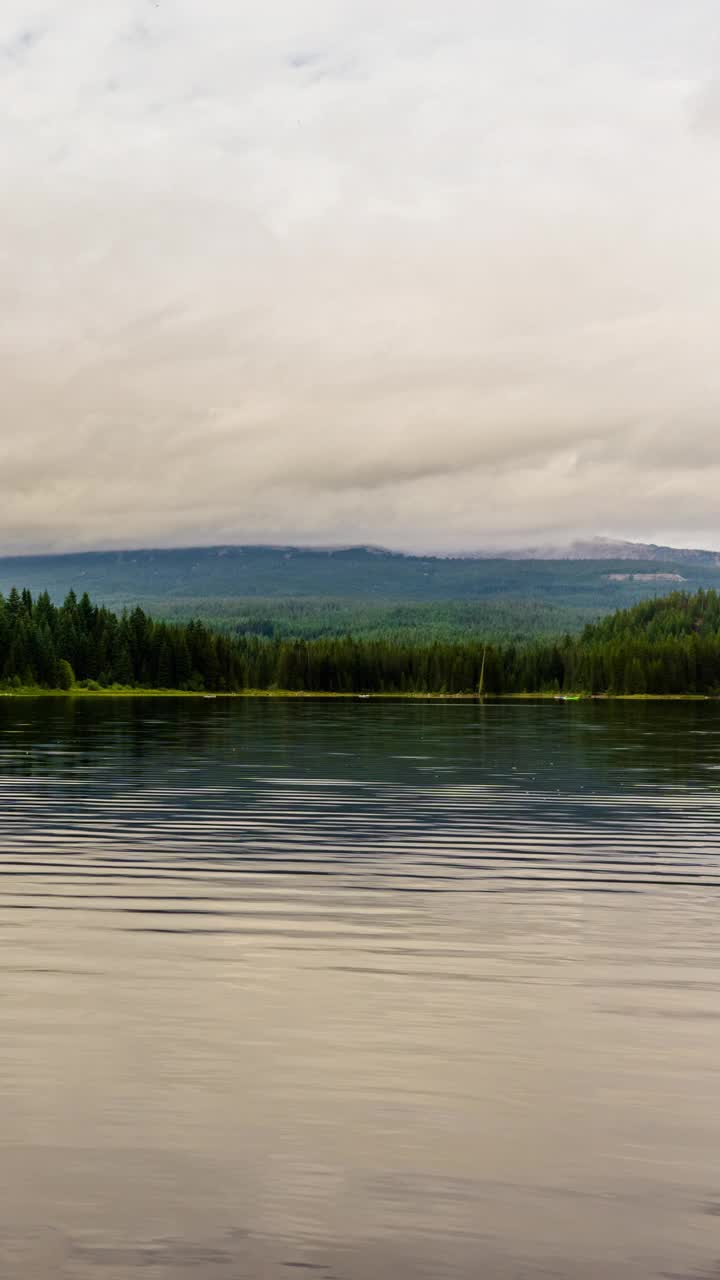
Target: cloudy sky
{"x": 429, "y": 275}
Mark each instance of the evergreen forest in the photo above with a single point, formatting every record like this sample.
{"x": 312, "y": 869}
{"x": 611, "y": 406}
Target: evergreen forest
{"x": 666, "y": 646}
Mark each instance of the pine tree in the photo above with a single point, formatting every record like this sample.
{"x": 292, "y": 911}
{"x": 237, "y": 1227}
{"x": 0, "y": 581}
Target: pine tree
{"x": 65, "y": 676}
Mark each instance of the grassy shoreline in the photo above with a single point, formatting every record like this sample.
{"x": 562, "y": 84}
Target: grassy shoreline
{"x": 30, "y": 692}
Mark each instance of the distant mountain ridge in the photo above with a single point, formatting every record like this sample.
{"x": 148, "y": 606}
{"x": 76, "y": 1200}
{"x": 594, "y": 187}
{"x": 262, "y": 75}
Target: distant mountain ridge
{"x": 609, "y": 549}
{"x": 596, "y": 548}
{"x": 607, "y": 576}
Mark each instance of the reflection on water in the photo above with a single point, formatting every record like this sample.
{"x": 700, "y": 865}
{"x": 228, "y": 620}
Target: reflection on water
{"x": 359, "y": 990}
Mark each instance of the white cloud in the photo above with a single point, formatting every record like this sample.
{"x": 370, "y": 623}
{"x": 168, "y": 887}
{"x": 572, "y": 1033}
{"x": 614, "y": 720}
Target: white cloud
{"x": 344, "y": 270}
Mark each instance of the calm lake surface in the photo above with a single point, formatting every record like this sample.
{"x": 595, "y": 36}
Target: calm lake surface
{"x": 359, "y": 990}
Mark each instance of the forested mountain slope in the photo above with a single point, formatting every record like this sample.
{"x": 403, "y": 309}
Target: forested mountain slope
{"x": 283, "y": 592}
{"x": 682, "y": 613}
{"x": 354, "y": 573}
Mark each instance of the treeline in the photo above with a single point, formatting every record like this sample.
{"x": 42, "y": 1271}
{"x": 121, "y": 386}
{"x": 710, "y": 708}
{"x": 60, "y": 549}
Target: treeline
{"x": 50, "y": 646}
{"x": 671, "y": 645}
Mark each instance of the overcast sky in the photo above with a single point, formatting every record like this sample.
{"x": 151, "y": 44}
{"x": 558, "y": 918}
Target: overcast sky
{"x": 429, "y": 275}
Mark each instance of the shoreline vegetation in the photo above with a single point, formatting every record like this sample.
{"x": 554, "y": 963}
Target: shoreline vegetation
{"x": 667, "y": 647}
{"x": 76, "y": 691}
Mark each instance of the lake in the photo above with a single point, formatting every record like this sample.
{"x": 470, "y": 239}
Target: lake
{"x": 359, "y": 989}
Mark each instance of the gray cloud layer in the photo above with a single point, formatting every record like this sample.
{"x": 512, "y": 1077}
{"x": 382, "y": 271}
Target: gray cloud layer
{"x": 323, "y": 270}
